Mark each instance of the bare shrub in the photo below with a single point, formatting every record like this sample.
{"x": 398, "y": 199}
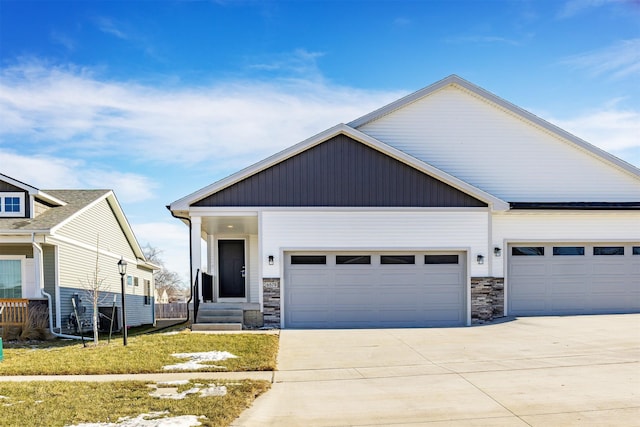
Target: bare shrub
{"x": 37, "y": 325}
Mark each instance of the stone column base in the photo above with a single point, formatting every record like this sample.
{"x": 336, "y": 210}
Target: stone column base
{"x": 487, "y": 299}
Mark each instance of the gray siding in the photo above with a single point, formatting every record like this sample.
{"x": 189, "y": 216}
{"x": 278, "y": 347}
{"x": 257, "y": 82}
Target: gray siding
{"x": 341, "y": 172}
{"x": 137, "y": 312}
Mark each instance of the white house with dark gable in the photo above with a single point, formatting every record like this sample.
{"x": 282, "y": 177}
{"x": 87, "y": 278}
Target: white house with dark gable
{"x": 447, "y": 207}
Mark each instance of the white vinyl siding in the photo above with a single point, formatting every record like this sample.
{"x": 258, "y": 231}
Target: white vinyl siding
{"x": 373, "y": 230}
{"x": 594, "y": 226}
{"x": 498, "y": 152}
{"x": 253, "y": 274}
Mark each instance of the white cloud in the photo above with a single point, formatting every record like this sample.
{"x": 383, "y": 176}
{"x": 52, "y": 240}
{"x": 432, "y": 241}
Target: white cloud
{"x": 171, "y": 238}
{"x": 50, "y": 172}
{"x": 619, "y": 60}
{"x": 70, "y": 109}
{"x": 610, "y": 128}
{"x": 574, "y": 7}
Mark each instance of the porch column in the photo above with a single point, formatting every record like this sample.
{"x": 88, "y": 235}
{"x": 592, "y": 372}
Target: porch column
{"x": 196, "y": 252}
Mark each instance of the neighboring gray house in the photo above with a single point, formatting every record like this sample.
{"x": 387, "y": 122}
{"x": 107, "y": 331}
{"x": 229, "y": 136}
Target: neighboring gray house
{"x": 447, "y": 207}
{"x": 48, "y": 243}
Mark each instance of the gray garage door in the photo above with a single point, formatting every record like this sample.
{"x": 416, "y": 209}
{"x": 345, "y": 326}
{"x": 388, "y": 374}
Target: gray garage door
{"x": 371, "y": 290}
{"x": 574, "y": 278}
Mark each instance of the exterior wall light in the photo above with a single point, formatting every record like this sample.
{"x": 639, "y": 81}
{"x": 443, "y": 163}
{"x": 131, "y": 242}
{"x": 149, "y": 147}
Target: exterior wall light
{"x": 270, "y": 258}
{"x": 497, "y": 251}
{"x": 480, "y": 259}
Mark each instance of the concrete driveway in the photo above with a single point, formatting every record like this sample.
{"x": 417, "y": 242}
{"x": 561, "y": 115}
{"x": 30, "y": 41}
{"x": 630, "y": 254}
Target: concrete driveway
{"x": 538, "y": 371}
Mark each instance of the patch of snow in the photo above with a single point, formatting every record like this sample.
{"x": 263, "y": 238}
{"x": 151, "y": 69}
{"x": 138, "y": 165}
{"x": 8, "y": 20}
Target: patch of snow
{"x": 172, "y": 393}
{"x": 214, "y": 390}
{"x": 198, "y": 359}
{"x": 176, "y": 382}
{"x": 161, "y": 391}
{"x": 154, "y": 419}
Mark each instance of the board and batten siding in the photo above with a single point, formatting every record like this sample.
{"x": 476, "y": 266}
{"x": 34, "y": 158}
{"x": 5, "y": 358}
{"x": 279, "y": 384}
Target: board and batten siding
{"x": 373, "y": 230}
{"x": 341, "y": 172}
{"x": 582, "y": 226}
{"x": 98, "y": 222}
{"x": 499, "y": 152}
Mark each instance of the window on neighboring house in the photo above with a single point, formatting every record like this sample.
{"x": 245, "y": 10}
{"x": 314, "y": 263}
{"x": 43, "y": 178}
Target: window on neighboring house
{"x": 129, "y": 280}
{"x": 147, "y": 292}
{"x": 135, "y": 281}
{"x": 10, "y": 278}
{"x": 12, "y": 204}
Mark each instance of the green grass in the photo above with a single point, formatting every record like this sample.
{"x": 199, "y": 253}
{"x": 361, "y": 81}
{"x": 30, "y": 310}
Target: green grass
{"x": 143, "y": 354}
{"x": 60, "y": 403}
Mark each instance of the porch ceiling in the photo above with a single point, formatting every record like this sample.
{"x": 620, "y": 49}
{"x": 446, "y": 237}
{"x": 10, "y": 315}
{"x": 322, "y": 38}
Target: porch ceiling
{"x": 221, "y": 225}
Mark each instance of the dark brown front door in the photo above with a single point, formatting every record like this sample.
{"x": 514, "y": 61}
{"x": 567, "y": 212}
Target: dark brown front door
{"x": 231, "y": 268}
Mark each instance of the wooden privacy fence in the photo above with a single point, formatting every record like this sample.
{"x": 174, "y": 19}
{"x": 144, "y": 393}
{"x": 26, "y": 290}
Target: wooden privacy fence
{"x": 14, "y": 312}
{"x": 173, "y": 310}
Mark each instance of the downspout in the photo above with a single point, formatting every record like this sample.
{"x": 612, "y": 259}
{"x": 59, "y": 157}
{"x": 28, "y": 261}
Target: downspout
{"x": 44, "y": 293}
{"x": 190, "y": 264}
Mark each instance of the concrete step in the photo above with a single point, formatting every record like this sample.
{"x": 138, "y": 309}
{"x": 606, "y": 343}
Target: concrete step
{"x": 218, "y": 318}
{"x": 216, "y": 327}
{"x": 220, "y": 312}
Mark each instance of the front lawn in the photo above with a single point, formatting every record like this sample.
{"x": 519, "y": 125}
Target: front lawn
{"x": 143, "y": 354}
{"x": 58, "y": 403}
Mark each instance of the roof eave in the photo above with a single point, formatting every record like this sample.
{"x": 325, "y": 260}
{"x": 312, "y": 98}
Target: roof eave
{"x": 183, "y": 205}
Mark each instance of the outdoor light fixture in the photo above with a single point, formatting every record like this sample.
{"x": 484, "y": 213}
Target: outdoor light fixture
{"x": 480, "y": 259}
{"x": 270, "y": 258}
{"x": 497, "y": 251}
{"x": 122, "y": 269}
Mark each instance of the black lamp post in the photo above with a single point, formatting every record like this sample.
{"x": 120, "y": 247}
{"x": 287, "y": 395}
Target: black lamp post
{"x": 122, "y": 268}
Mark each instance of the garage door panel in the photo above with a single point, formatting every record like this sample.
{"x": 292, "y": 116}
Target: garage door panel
{"x": 575, "y": 268}
{"x": 581, "y": 284}
{"x": 522, "y": 268}
{"x": 375, "y": 295}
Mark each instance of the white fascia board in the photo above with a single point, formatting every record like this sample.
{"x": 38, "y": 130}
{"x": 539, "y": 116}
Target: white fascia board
{"x": 494, "y": 202}
{"x": 48, "y": 198}
{"x": 120, "y": 216}
{"x": 79, "y": 212}
{"x": 184, "y": 203}
{"x": 510, "y": 107}
{"x": 33, "y": 191}
{"x": 26, "y": 187}
{"x": 126, "y": 227}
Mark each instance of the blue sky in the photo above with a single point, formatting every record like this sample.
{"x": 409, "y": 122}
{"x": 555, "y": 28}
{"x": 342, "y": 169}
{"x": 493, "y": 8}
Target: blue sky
{"x": 156, "y": 99}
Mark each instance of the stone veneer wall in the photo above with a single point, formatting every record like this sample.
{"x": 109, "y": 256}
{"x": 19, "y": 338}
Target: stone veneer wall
{"x": 271, "y": 301}
{"x": 487, "y": 298}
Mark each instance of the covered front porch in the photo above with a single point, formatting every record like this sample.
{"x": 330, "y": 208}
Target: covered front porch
{"x": 225, "y": 262}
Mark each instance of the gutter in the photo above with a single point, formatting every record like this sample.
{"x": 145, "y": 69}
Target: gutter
{"x": 190, "y": 267}
{"x": 37, "y": 247}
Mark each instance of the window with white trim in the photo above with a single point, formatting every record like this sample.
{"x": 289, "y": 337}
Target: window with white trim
{"x": 10, "y": 277}
{"x": 12, "y": 204}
